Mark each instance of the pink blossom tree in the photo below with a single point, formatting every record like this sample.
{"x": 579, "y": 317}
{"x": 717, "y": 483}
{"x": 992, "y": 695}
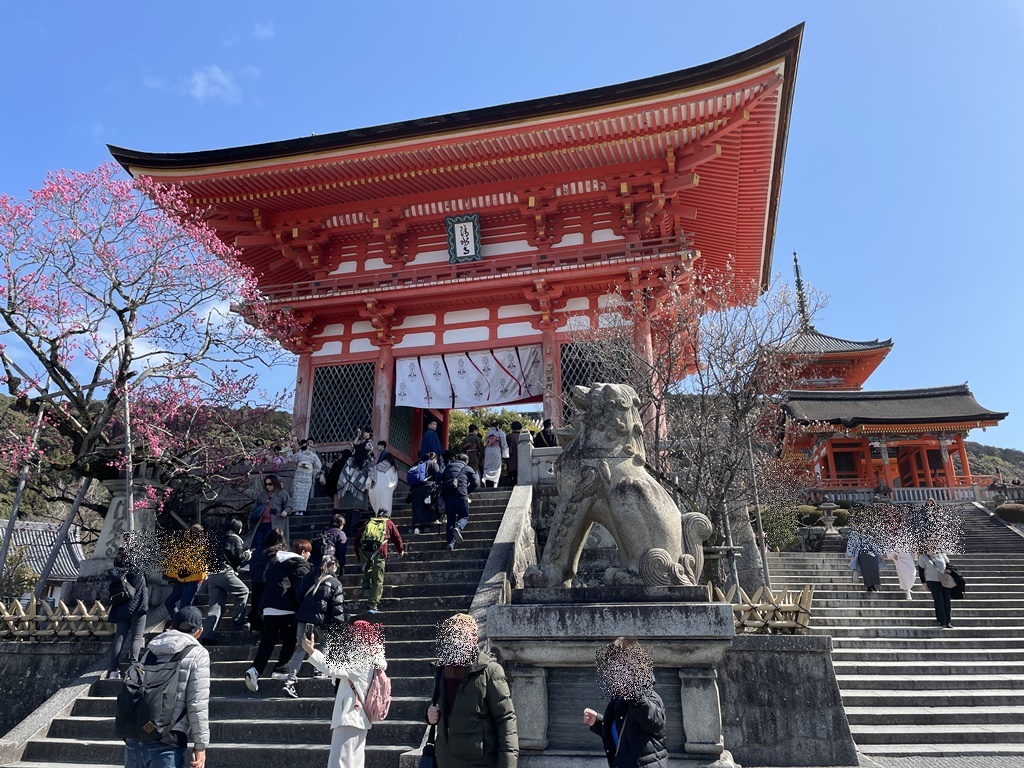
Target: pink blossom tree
{"x": 111, "y": 289}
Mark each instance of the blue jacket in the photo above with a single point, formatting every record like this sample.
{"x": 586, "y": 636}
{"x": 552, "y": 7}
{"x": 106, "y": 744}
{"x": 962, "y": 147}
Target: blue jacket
{"x": 431, "y": 441}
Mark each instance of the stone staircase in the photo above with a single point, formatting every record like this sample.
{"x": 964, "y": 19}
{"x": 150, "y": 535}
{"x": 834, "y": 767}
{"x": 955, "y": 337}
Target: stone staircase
{"x": 909, "y": 687}
{"x": 268, "y": 729}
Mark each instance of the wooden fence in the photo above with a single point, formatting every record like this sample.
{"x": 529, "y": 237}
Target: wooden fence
{"x": 767, "y": 612}
{"x": 38, "y": 621}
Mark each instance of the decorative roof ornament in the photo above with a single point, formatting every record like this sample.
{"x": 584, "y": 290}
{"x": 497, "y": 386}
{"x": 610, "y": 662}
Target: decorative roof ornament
{"x": 801, "y": 298}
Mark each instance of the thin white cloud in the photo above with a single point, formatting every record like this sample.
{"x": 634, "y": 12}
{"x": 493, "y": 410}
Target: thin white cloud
{"x": 154, "y": 83}
{"x": 263, "y": 31}
{"x": 214, "y": 84}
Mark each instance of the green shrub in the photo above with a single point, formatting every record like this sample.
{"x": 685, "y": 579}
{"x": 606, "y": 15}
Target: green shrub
{"x": 844, "y": 504}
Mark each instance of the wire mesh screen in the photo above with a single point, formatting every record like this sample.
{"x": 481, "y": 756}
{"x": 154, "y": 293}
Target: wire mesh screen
{"x": 401, "y": 429}
{"x": 342, "y": 402}
{"x": 581, "y": 366}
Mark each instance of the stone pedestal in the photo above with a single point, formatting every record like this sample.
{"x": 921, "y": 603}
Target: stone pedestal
{"x": 91, "y": 584}
{"x": 551, "y": 636}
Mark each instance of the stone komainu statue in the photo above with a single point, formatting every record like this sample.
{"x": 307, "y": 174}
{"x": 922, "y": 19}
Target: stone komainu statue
{"x": 601, "y": 478}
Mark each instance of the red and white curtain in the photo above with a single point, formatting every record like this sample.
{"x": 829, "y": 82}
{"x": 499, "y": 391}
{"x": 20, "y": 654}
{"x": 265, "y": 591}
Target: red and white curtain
{"x": 469, "y": 379}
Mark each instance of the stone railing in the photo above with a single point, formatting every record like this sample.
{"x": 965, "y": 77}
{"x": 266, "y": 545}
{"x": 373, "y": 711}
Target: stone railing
{"x": 38, "y": 621}
{"x": 767, "y": 612}
{"x": 899, "y": 495}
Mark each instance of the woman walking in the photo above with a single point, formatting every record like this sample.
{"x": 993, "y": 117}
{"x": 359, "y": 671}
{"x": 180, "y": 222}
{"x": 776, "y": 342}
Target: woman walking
{"x": 362, "y": 651}
{"x": 936, "y": 565}
{"x": 270, "y": 510}
{"x": 906, "y": 571}
{"x": 383, "y": 480}
{"x": 185, "y": 563}
{"x": 307, "y": 466}
{"x": 323, "y": 607}
{"x": 496, "y": 449}
{"x": 279, "y": 604}
{"x": 424, "y": 496}
{"x": 129, "y": 602}
{"x": 865, "y": 553}
{"x": 354, "y": 476}
{"x": 258, "y": 566}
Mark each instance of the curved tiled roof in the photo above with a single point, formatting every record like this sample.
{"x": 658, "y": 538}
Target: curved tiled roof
{"x": 812, "y": 342}
{"x": 936, "y": 405}
{"x": 39, "y": 538}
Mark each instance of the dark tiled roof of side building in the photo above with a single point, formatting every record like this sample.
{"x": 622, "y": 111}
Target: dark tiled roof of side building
{"x": 936, "y": 405}
{"x": 811, "y": 342}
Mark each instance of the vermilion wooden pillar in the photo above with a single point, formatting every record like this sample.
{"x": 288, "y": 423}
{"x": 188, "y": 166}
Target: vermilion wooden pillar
{"x": 303, "y": 396}
{"x": 962, "y": 450}
{"x": 384, "y": 385}
{"x": 551, "y": 362}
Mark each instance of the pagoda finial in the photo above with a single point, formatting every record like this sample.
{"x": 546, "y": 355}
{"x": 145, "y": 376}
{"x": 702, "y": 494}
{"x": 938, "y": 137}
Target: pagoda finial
{"x": 801, "y": 298}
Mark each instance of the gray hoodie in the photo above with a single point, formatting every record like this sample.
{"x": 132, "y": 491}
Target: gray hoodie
{"x": 193, "y": 692}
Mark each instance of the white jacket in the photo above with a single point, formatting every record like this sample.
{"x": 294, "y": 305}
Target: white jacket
{"x": 193, "y": 689}
{"x": 933, "y": 565}
{"x": 345, "y": 712}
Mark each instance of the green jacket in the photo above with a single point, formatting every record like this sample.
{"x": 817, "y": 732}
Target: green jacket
{"x": 481, "y": 732}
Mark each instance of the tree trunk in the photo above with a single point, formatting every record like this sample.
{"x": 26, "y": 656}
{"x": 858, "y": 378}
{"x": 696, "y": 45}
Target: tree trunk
{"x": 22, "y": 482}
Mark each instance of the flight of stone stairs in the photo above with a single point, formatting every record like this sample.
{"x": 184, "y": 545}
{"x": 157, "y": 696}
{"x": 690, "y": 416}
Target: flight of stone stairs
{"x": 268, "y": 729}
{"x": 911, "y": 688}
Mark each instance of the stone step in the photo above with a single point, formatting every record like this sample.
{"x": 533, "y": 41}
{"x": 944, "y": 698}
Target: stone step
{"x": 394, "y": 650}
{"x": 965, "y": 700}
{"x": 1010, "y": 624}
{"x": 933, "y": 667}
{"x": 963, "y": 656}
{"x": 963, "y": 733}
{"x": 899, "y": 602}
{"x": 909, "y": 609}
{"x": 980, "y": 751}
{"x": 899, "y": 633}
{"x": 231, "y": 731}
{"x": 943, "y": 641}
{"x": 250, "y": 706}
{"x": 236, "y": 755}
{"x": 954, "y": 715}
{"x": 932, "y": 682}
{"x": 268, "y": 688}
{"x": 396, "y": 668}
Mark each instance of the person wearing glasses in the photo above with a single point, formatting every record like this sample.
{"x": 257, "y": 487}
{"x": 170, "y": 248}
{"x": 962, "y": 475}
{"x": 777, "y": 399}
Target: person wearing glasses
{"x": 271, "y": 509}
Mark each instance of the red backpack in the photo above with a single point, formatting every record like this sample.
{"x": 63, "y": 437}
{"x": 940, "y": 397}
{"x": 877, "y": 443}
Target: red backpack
{"x": 378, "y": 697}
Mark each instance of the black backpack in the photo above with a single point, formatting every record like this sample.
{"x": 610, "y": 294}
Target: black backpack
{"x": 121, "y": 591}
{"x": 145, "y": 705}
{"x": 450, "y": 479}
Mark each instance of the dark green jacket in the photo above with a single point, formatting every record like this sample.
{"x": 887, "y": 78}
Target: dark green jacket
{"x": 481, "y": 732}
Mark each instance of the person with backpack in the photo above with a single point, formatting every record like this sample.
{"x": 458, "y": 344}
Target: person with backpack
{"x": 281, "y": 599}
{"x": 473, "y": 447}
{"x": 457, "y": 481}
{"x": 495, "y": 449}
{"x": 165, "y": 698}
{"x": 372, "y": 546}
{"x": 332, "y": 542}
{"x": 225, "y": 582}
{"x": 129, "y": 602}
{"x": 259, "y": 564}
{"x": 471, "y": 705}
{"x": 546, "y": 438}
{"x": 323, "y": 607}
{"x": 422, "y": 480}
{"x": 364, "y": 691}
{"x": 632, "y": 728}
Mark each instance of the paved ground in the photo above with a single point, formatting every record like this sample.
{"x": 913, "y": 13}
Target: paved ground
{"x": 988, "y": 761}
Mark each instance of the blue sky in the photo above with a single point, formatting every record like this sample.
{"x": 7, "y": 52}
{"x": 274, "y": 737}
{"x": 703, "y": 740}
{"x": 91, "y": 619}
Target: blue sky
{"x": 903, "y": 188}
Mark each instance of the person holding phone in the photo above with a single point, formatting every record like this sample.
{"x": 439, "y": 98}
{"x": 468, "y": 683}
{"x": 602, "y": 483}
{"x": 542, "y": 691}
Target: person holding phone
{"x": 323, "y": 607}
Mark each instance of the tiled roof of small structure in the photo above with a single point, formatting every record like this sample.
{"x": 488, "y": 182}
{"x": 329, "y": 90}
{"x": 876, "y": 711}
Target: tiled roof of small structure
{"x": 39, "y": 538}
{"x": 813, "y": 342}
{"x": 936, "y": 405}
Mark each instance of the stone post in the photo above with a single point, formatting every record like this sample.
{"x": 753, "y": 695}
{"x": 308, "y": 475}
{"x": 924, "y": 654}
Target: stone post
{"x": 529, "y": 687}
{"x": 525, "y": 458}
{"x": 702, "y": 711}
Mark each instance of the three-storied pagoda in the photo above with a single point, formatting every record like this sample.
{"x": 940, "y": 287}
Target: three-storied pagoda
{"x": 434, "y": 263}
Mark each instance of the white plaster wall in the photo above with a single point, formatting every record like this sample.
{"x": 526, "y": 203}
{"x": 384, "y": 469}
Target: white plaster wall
{"x": 573, "y": 238}
{"x": 429, "y": 257}
{"x": 604, "y": 235}
{"x": 335, "y": 329}
{"x": 511, "y": 330}
{"x": 418, "y": 321}
{"x": 329, "y": 348}
{"x": 467, "y": 316}
{"x": 497, "y": 249}
{"x": 346, "y": 267}
{"x": 372, "y": 264}
{"x": 363, "y": 326}
{"x": 459, "y": 335}
{"x": 515, "y": 310}
{"x": 577, "y": 305}
{"x": 360, "y": 345}
{"x": 417, "y": 340}
{"x": 578, "y": 323}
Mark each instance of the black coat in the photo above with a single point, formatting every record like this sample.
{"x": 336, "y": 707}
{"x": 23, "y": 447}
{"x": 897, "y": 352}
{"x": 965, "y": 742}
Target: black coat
{"x": 284, "y": 576}
{"x": 259, "y": 563}
{"x": 232, "y": 552}
{"x": 139, "y": 604}
{"x": 641, "y": 725}
{"x": 324, "y": 606}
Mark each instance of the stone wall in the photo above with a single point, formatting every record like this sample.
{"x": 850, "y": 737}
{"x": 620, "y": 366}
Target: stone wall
{"x": 31, "y": 672}
{"x": 781, "y": 704}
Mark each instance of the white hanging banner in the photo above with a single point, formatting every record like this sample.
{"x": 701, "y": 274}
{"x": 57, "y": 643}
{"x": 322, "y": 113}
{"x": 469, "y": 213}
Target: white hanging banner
{"x": 422, "y": 382}
{"x": 470, "y": 379}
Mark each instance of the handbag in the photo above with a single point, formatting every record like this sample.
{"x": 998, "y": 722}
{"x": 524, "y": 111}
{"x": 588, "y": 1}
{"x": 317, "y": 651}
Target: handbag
{"x": 947, "y": 580}
{"x": 429, "y": 757}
